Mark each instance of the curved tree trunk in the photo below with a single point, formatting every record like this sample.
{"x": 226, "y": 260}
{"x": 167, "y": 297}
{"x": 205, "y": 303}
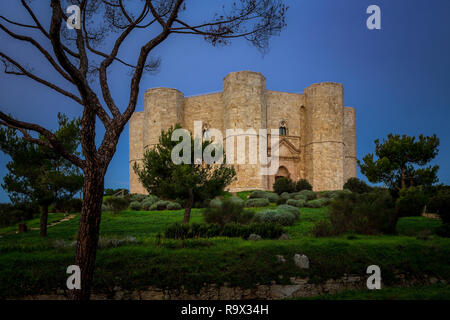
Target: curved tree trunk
{"x": 88, "y": 232}
{"x": 44, "y": 219}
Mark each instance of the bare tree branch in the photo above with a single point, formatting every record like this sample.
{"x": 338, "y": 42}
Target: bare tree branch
{"x": 44, "y": 52}
{"x": 53, "y": 142}
{"x": 36, "y": 78}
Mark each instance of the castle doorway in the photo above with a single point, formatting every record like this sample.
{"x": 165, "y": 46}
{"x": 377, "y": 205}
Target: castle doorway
{"x": 283, "y": 172}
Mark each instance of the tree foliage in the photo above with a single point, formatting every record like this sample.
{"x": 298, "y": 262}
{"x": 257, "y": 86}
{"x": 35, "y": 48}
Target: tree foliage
{"x": 162, "y": 177}
{"x": 400, "y": 161}
{"x": 36, "y": 173}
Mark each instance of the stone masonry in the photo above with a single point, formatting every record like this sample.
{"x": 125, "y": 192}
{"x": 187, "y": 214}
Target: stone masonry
{"x": 317, "y": 133}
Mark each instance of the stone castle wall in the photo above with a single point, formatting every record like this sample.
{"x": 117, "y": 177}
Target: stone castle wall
{"x": 320, "y": 144}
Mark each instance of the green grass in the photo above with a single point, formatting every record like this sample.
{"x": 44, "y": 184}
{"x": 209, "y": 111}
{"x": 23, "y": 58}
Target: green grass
{"x": 31, "y": 264}
{"x": 412, "y": 226}
{"x": 433, "y": 292}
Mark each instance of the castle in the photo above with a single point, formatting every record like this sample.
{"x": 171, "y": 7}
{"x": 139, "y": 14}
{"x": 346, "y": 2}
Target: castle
{"x": 317, "y": 133}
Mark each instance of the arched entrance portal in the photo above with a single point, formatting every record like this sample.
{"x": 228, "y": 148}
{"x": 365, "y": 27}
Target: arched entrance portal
{"x": 282, "y": 172}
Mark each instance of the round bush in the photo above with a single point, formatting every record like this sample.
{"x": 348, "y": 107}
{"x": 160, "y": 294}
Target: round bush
{"x": 148, "y": 202}
{"x": 230, "y": 210}
{"x": 302, "y": 184}
{"x": 237, "y": 201}
{"x": 135, "y": 205}
{"x": 298, "y": 196}
{"x": 257, "y": 194}
{"x": 286, "y": 195}
{"x": 273, "y": 197}
{"x": 116, "y": 204}
{"x": 159, "y": 205}
{"x": 285, "y": 218}
{"x": 215, "y": 203}
{"x": 288, "y": 208}
{"x": 283, "y": 185}
{"x": 411, "y": 202}
{"x": 173, "y": 206}
{"x": 296, "y": 203}
{"x": 137, "y": 197}
{"x": 356, "y": 185}
{"x": 308, "y": 194}
{"x": 440, "y": 204}
{"x": 265, "y": 216}
{"x": 336, "y": 193}
{"x": 318, "y": 203}
{"x": 259, "y": 202}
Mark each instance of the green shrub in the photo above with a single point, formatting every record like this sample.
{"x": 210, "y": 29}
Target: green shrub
{"x": 11, "y": 214}
{"x": 296, "y": 203}
{"x": 215, "y": 203}
{"x": 318, "y": 203}
{"x": 285, "y": 218}
{"x": 286, "y": 195}
{"x": 265, "y": 216}
{"x": 116, "y": 204}
{"x": 273, "y": 197}
{"x": 302, "y": 184}
{"x": 159, "y": 205}
{"x": 259, "y": 202}
{"x": 288, "y": 208}
{"x": 257, "y": 194}
{"x": 135, "y": 205}
{"x": 411, "y": 202}
{"x": 281, "y": 201}
{"x": 307, "y": 194}
{"x": 335, "y": 193}
{"x": 172, "y": 205}
{"x": 137, "y": 197}
{"x": 298, "y": 196}
{"x": 283, "y": 185}
{"x": 148, "y": 202}
{"x": 357, "y": 185}
{"x": 229, "y": 210}
{"x": 323, "y": 228}
{"x": 440, "y": 204}
{"x": 237, "y": 201}
{"x": 368, "y": 213}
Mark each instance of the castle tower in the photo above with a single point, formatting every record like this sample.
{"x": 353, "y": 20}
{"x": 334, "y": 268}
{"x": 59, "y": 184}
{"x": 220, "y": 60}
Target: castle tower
{"x": 245, "y": 108}
{"x": 324, "y": 150}
{"x": 163, "y": 108}
{"x": 350, "y": 143}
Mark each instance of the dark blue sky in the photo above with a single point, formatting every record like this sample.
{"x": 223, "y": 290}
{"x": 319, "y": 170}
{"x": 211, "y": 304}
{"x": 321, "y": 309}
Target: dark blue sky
{"x": 397, "y": 78}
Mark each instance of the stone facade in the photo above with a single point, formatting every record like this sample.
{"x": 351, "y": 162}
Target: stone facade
{"x": 319, "y": 133}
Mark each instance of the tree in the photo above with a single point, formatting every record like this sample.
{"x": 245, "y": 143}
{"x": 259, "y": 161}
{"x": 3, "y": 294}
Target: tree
{"x": 162, "y": 177}
{"x": 283, "y": 184}
{"x": 356, "y": 185}
{"x": 38, "y": 174}
{"x": 399, "y": 162}
{"x": 83, "y": 58}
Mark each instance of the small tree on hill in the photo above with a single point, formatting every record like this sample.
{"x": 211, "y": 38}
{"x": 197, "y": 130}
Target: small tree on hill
{"x": 283, "y": 184}
{"x": 38, "y": 174}
{"x": 399, "y": 161}
{"x": 162, "y": 177}
{"x": 356, "y": 185}
{"x": 302, "y": 184}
